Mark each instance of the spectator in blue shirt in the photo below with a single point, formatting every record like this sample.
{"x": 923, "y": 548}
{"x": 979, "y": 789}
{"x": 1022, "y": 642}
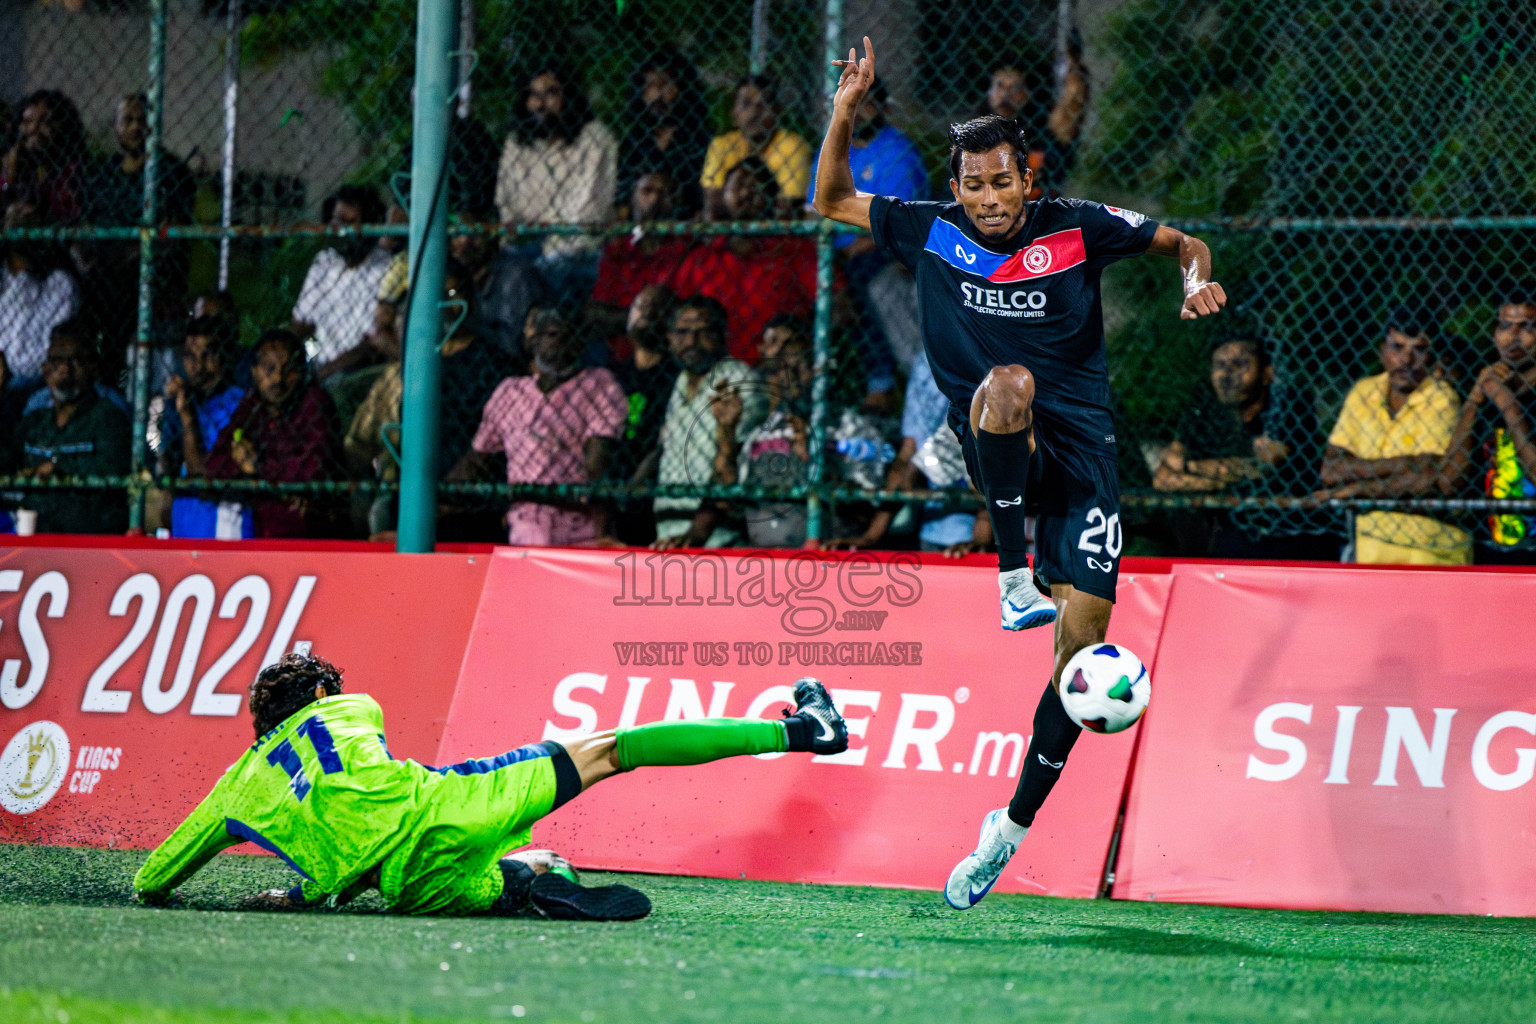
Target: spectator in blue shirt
{"x": 884, "y": 163}
{"x": 199, "y": 405}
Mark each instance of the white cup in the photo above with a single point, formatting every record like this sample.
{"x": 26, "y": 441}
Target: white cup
{"x": 26, "y": 522}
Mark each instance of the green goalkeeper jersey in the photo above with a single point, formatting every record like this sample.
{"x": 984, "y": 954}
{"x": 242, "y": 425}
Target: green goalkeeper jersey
{"x": 320, "y": 791}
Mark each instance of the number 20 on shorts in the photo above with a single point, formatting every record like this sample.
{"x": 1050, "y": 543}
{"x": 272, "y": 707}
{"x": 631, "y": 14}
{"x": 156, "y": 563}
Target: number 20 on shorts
{"x": 1107, "y": 529}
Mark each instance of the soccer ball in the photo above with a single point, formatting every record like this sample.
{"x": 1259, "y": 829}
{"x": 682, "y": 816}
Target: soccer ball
{"x": 1105, "y": 688}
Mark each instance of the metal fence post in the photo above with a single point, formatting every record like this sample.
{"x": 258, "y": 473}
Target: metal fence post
{"x": 758, "y": 53}
{"x": 234, "y": 18}
{"x": 815, "y": 525}
{"x": 147, "y": 225}
{"x": 435, "y": 27}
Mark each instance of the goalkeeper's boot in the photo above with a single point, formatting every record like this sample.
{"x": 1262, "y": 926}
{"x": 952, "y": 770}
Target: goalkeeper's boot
{"x": 823, "y": 728}
{"x": 974, "y": 876}
{"x": 530, "y": 893}
{"x": 555, "y": 896}
{"x": 1024, "y": 607}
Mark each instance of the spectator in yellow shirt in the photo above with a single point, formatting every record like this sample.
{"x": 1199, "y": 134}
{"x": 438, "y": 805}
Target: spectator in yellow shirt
{"x": 758, "y": 134}
{"x": 1389, "y": 442}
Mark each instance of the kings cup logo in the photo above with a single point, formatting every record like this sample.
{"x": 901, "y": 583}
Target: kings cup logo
{"x": 1037, "y": 259}
{"x": 33, "y": 767}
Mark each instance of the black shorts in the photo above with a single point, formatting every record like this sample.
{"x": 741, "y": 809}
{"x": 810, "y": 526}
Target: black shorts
{"x": 1076, "y": 496}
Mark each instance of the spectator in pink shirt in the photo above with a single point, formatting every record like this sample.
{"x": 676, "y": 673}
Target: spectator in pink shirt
{"x": 556, "y": 426}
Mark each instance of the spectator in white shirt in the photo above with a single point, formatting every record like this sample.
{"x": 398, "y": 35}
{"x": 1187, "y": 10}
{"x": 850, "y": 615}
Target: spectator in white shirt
{"x": 559, "y": 166}
{"x": 334, "y": 314}
{"x": 36, "y": 294}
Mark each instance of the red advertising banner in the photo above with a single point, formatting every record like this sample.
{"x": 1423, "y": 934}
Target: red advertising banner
{"x": 123, "y": 673}
{"x": 938, "y": 699}
{"x": 1339, "y": 739}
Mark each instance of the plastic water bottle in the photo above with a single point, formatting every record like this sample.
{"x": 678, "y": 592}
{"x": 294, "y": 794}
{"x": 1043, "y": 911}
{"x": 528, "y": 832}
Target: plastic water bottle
{"x": 862, "y": 449}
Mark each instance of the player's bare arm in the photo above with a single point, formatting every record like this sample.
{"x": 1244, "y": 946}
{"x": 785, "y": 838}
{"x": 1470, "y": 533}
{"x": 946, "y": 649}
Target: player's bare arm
{"x": 1490, "y": 386}
{"x": 1502, "y": 386}
{"x": 1202, "y": 296}
{"x": 1342, "y": 468}
{"x": 1456, "y": 466}
{"x": 836, "y": 196}
{"x": 1176, "y": 472}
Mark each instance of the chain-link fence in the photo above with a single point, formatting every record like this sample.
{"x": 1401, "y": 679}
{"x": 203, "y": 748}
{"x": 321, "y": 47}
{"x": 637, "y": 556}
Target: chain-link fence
{"x": 649, "y": 335}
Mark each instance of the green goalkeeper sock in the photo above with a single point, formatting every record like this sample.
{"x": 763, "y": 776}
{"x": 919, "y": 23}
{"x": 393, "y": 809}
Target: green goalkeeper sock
{"x": 699, "y": 741}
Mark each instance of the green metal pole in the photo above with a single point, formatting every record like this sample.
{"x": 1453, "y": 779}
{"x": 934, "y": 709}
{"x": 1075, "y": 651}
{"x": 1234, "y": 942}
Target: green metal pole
{"x": 820, "y": 383}
{"x": 816, "y": 527}
{"x": 436, "y": 21}
{"x": 151, "y": 216}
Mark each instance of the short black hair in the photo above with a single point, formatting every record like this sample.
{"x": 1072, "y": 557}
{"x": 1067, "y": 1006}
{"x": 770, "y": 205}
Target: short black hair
{"x": 799, "y": 332}
{"x": 762, "y": 83}
{"x": 222, "y": 330}
{"x": 281, "y": 336}
{"x": 76, "y": 329}
{"x": 1256, "y": 344}
{"x": 665, "y": 173}
{"x": 684, "y": 74}
{"x": 1405, "y": 319}
{"x": 653, "y": 337}
{"x": 1517, "y": 294}
{"x": 981, "y": 134}
{"x": 795, "y": 324}
{"x": 664, "y": 295}
{"x": 755, "y": 166}
{"x": 287, "y": 687}
{"x": 223, "y": 298}
{"x": 712, "y": 309}
{"x": 363, "y": 197}
{"x": 546, "y": 312}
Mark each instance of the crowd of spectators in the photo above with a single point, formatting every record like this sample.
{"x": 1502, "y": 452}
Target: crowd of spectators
{"x": 1403, "y": 433}
{"x": 662, "y": 356}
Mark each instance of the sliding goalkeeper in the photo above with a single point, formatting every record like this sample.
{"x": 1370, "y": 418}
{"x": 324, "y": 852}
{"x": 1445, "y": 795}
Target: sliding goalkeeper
{"x": 320, "y": 790}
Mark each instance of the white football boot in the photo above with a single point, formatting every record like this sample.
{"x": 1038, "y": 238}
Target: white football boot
{"x": 974, "y": 876}
{"x": 1024, "y": 607}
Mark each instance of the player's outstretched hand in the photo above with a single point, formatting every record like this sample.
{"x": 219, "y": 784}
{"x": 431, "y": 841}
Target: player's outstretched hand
{"x": 1203, "y": 301}
{"x": 271, "y": 899}
{"x": 854, "y": 84}
{"x": 150, "y": 898}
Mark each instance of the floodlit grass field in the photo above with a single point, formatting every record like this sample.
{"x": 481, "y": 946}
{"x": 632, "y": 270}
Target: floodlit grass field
{"x": 73, "y": 949}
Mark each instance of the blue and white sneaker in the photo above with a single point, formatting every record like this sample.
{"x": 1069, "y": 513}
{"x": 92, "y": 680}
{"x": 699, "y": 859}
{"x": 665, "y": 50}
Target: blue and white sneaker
{"x": 974, "y": 876}
{"x": 1024, "y": 607}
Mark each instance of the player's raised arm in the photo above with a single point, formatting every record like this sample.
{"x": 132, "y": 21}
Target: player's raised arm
{"x": 1202, "y": 296}
{"x": 836, "y": 196}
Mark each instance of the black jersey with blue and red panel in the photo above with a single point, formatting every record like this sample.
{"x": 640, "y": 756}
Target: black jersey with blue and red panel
{"x": 1035, "y": 303}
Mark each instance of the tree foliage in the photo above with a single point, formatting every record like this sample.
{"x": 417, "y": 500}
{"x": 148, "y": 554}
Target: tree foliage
{"x": 1243, "y": 110}
{"x": 371, "y": 50}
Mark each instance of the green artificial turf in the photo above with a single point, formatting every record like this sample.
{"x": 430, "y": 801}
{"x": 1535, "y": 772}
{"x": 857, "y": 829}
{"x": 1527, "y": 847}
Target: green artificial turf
{"x": 73, "y": 949}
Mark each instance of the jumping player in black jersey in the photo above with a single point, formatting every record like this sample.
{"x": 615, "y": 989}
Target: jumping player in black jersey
{"x": 1008, "y": 298}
